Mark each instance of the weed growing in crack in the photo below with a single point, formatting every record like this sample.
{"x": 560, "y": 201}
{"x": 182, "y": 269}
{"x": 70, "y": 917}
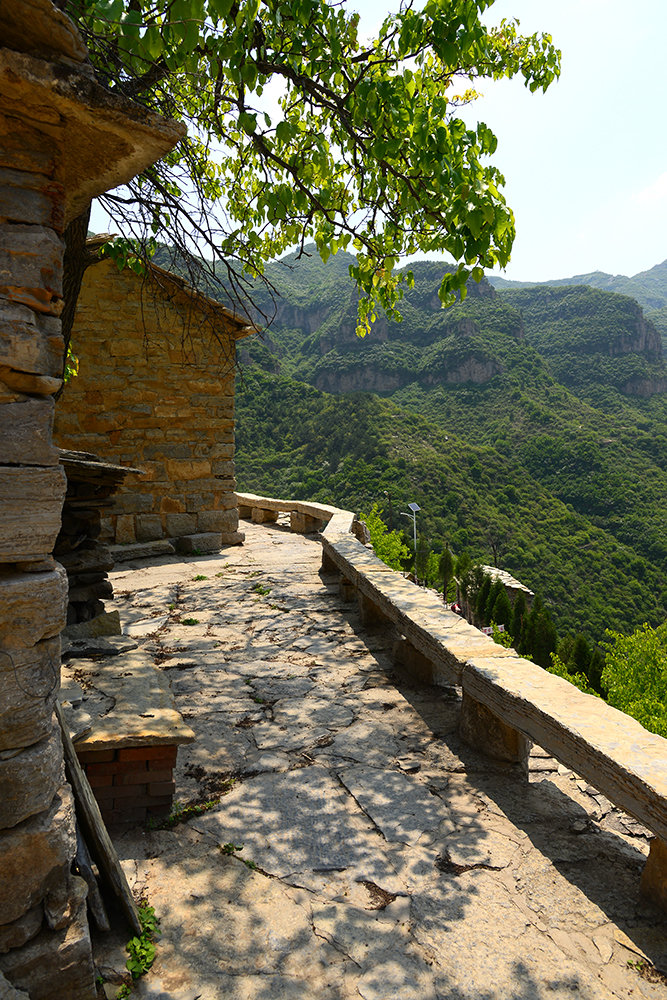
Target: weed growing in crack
{"x": 141, "y": 948}
{"x": 261, "y": 590}
{"x": 231, "y": 850}
{"x": 190, "y": 621}
{"x": 180, "y": 814}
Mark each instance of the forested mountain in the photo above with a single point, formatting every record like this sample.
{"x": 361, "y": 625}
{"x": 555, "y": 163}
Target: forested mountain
{"x": 649, "y": 288}
{"x": 532, "y": 421}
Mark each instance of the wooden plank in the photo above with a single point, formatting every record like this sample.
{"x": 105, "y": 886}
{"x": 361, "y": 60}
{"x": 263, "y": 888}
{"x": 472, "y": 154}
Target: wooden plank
{"x": 95, "y": 832}
{"x": 608, "y": 748}
{"x": 95, "y": 901}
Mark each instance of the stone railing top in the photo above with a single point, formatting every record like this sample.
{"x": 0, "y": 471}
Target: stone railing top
{"x": 319, "y": 511}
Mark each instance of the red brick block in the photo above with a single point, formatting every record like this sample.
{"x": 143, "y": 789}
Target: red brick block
{"x": 161, "y": 788}
{"x": 95, "y": 756}
{"x": 140, "y": 800}
{"x": 119, "y": 792}
{"x": 117, "y": 767}
{"x": 162, "y": 774}
{"x": 164, "y": 753}
{"x": 99, "y": 780}
{"x": 133, "y": 777}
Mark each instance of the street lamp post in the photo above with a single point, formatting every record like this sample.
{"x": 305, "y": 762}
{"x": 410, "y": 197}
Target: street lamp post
{"x": 414, "y": 507}
{"x": 391, "y": 510}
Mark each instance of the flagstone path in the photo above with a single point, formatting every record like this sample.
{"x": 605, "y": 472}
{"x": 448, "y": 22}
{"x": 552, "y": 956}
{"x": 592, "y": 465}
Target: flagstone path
{"x": 358, "y": 848}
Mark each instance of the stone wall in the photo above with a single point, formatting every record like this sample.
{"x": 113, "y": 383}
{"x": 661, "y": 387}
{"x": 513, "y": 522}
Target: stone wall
{"x": 61, "y": 139}
{"x": 156, "y": 390}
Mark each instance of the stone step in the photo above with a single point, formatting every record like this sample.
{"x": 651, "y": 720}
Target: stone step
{"x": 142, "y": 550}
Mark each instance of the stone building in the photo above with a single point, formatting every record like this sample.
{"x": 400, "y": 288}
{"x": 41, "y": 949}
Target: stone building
{"x": 63, "y": 140}
{"x": 155, "y": 390}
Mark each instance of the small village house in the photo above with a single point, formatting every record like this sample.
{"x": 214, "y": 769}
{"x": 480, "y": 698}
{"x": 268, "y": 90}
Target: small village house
{"x": 155, "y": 390}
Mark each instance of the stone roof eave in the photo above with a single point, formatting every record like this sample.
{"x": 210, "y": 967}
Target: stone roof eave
{"x": 105, "y": 139}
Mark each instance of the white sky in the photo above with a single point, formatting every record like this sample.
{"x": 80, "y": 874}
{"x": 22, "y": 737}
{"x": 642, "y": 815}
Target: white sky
{"x": 585, "y": 163}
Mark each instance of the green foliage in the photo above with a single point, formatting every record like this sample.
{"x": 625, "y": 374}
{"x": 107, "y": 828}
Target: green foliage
{"x": 482, "y": 598}
{"x": 259, "y": 589}
{"x": 71, "y": 364}
{"x": 141, "y": 949}
{"x": 446, "y": 571}
{"x": 495, "y": 590}
{"x": 502, "y": 638}
{"x": 422, "y": 559}
{"x": 501, "y": 612}
{"x": 387, "y": 545}
{"x": 635, "y": 675}
{"x": 578, "y": 679}
{"x": 519, "y": 613}
{"x": 365, "y": 147}
{"x": 182, "y": 813}
{"x": 575, "y": 494}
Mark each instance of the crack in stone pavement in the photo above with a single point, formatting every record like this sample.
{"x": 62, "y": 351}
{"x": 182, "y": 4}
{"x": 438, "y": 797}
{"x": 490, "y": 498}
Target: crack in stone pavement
{"x": 486, "y": 888}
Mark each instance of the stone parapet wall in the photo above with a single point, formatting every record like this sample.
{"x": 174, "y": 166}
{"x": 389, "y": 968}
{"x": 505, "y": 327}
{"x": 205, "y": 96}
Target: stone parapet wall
{"x": 156, "y": 390}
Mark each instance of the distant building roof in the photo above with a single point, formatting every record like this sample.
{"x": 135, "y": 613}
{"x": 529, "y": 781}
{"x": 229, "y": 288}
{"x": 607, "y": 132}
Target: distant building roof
{"x": 506, "y": 579}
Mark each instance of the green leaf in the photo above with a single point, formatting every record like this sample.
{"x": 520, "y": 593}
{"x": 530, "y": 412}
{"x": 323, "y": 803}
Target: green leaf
{"x": 248, "y": 122}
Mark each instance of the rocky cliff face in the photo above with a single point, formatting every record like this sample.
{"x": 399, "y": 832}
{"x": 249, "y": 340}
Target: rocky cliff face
{"x": 645, "y": 387}
{"x": 639, "y": 337}
{"x": 473, "y": 370}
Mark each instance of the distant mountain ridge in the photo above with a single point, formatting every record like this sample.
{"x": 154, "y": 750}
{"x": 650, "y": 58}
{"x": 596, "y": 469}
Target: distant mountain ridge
{"x": 649, "y": 288}
{"x": 528, "y": 421}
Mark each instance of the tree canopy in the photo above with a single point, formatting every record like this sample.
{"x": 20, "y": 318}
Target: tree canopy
{"x": 298, "y": 129}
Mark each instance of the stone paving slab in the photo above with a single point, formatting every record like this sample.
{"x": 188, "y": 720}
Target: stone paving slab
{"x": 356, "y": 847}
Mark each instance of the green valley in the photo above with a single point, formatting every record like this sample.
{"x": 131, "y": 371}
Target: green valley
{"x": 532, "y": 423}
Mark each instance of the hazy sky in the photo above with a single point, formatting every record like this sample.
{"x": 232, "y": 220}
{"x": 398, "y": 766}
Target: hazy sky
{"x": 585, "y": 163}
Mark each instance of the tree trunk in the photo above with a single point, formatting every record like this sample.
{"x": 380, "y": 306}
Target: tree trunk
{"x": 75, "y": 262}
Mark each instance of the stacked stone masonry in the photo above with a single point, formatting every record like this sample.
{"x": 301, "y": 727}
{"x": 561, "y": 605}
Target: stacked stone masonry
{"x": 87, "y": 560}
{"x": 62, "y": 140}
{"x": 156, "y": 390}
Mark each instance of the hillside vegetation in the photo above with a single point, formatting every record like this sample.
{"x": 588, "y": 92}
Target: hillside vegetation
{"x": 649, "y": 288}
{"x": 296, "y": 441}
{"x": 530, "y": 423}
